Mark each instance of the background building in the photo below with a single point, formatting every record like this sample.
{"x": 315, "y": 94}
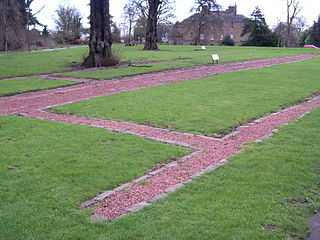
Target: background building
{"x": 209, "y": 28}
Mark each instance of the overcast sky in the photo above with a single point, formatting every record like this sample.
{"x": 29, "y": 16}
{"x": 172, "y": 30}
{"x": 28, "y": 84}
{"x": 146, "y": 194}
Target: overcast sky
{"x": 274, "y": 10}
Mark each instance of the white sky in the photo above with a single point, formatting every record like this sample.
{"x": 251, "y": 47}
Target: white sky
{"x": 274, "y": 10}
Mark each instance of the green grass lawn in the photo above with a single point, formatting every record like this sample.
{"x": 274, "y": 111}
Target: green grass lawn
{"x": 136, "y": 54}
{"x": 243, "y": 198}
{"x": 22, "y": 64}
{"x": 210, "y": 105}
{"x": 9, "y": 87}
{"x": 62, "y": 165}
{"x": 227, "y": 54}
{"x": 137, "y": 69}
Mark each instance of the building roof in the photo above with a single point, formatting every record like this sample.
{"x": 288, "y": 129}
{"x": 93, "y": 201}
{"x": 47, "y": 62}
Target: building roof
{"x": 229, "y": 15}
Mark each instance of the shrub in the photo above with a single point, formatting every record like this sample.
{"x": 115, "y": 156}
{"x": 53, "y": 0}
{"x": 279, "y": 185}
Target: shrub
{"x": 228, "y": 41}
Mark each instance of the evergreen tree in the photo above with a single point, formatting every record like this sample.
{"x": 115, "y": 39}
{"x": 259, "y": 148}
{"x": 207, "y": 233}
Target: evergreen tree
{"x": 304, "y": 38}
{"x": 315, "y": 33}
{"x": 116, "y": 32}
{"x": 258, "y": 31}
{"x": 227, "y": 41}
{"x": 139, "y": 31}
{"x": 16, "y": 17}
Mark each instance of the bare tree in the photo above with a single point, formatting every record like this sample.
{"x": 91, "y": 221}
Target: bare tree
{"x": 203, "y": 8}
{"x": 293, "y": 9}
{"x": 156, "y": 10}
{"x": 68, "y": 23}
{"x": 116, "y": 33}
{"x": 166, "y": 12}
{"x": 100, "y": 36}
{"x": 131, "y": 14}
{"x": 152, "y": 14}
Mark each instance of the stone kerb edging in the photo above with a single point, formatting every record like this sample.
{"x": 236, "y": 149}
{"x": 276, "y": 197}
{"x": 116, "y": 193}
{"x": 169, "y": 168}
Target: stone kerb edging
{"x": 213, "y": 167}
{"x": 209, "y": 154}
{"x": 42, "y": 99}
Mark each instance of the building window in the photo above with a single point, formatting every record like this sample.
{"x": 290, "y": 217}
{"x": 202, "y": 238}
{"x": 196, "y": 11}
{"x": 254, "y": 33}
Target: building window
{"x": 201, "y": 36}
{"x": 191, "y": 35}
{"x": 221, "y": 37}
{"x": 212, "y": 37}
{"x": 232, "y": 25}
{"x": 231, "y": 36}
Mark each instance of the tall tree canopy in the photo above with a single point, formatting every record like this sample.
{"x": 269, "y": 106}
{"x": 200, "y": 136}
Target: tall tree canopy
{"x": 100, "y": 35}
{"x": 258, "y": 31}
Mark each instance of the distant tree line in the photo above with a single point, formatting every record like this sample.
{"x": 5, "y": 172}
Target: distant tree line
{"x": 311, "y": 35}
{"x": 145, "y": 21}
{"x": 285, "y": 34}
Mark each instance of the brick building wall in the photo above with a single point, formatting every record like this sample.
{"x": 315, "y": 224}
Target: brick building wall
{"x": 214, "y": 26}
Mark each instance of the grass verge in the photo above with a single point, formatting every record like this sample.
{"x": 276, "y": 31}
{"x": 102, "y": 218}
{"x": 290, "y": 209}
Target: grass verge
{"x": 268, "y": 191}
{"x": 22, "y": 64}
{"x": 210, "y": 105}
{"x": 10, "y": 87}
{"x": 60, "y": 165}
{"x": 137, "y": 69}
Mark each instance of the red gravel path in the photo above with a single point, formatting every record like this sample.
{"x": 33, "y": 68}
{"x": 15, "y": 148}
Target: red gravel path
{"x": 23, "y": 103}
{"x": 207, "y": 151}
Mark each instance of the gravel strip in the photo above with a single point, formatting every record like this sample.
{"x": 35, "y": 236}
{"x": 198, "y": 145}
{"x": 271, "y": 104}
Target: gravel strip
{"x": 209, "y": 154}
{"x": 91, "y": 89}
{"x": 213, "y": 153}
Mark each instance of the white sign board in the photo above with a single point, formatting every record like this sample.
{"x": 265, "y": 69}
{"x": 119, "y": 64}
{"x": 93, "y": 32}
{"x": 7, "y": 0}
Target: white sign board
{"x": 215, "y": 58}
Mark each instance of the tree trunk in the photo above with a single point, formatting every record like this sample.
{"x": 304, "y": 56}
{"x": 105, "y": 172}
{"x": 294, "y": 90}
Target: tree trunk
{"x": 295, "y": 6}
{"x": 151, "y": 34}
{"x": 100, "y": 36}
{"x": 5, "y": 25}
{"x": 288, "y": 42}
{"x": 198, "y": 40}
{"x": 130, "y": 29}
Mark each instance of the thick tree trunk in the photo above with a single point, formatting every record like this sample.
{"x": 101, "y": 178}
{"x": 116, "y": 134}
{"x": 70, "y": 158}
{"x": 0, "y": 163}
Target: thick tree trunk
{"x": 5, "y": 25}
{"x": 151, "y": 34}
{"x": 100, "y": 36}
